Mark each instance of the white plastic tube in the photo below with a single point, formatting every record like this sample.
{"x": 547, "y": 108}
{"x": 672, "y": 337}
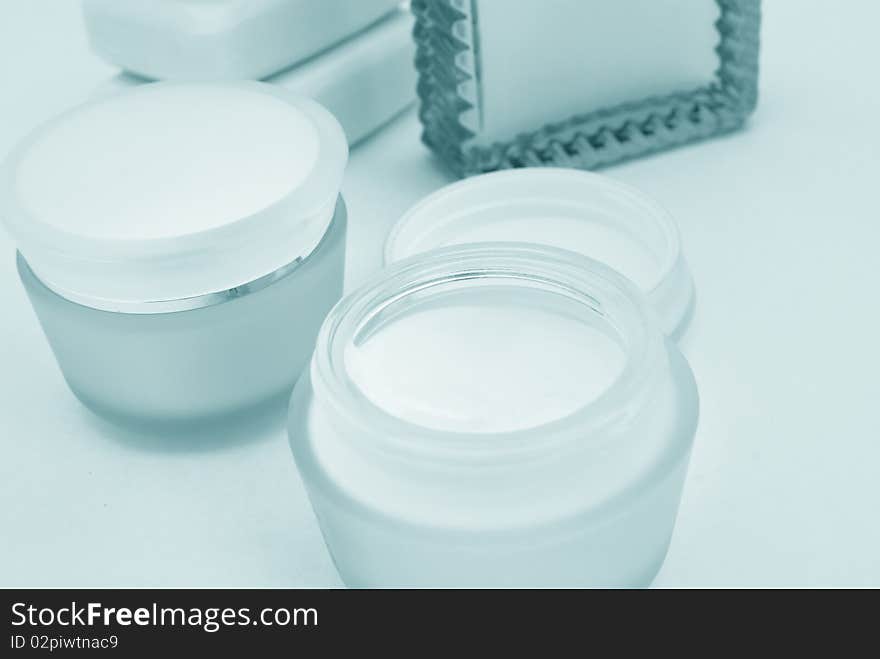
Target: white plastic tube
{"x": 364, "y": 81}
{"x": 221, "y": 39}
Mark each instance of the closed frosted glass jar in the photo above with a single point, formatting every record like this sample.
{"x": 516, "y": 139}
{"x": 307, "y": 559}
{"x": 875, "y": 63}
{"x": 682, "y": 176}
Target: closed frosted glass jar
{"x": 495, "y": 415}
{"x": 180, "y": 244}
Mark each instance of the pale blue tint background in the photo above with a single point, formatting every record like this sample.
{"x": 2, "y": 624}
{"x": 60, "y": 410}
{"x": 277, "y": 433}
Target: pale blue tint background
{"x": 781, "y": 225}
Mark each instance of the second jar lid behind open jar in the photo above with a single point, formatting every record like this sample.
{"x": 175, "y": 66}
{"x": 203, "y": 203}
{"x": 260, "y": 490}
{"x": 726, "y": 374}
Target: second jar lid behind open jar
{"x": 569, "y": 209}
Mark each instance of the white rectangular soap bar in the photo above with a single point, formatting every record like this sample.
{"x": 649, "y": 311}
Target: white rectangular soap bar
{"x": 221, "y": 39}
{"x": 546, "y": 61}
{"x": 364, "y": 81}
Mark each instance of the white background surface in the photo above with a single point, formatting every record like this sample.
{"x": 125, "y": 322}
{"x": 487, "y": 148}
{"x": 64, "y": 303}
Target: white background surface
{"x": 781, "y": 224}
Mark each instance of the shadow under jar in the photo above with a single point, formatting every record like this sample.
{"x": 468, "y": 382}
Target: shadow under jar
{"x": 495, "y": 415}
{"x": 181, "y": 245}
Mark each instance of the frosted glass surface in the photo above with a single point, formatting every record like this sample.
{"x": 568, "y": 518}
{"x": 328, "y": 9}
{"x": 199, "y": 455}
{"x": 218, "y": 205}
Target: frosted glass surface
{"x": 153, "y": 165}
{"x": 526, "y": 358}
{"x": 542, "y": 62}
{"x": 216, "y": 362}
{"x": 465, "y": 351}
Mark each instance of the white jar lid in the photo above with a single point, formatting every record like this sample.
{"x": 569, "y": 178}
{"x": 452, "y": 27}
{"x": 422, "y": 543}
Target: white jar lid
{"x": 564, "y": 208}
{"x": 172, "y": 190}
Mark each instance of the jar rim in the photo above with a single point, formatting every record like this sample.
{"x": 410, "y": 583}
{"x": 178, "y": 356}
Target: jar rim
{"x": 478, "y": 198}
{"x": 608, "y": 293}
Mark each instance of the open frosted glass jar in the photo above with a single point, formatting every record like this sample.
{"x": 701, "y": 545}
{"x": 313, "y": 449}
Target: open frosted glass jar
{"x": 590, "y": 214}
{"x": 580, "y": 83}
{"x": 495, "y": 415}
{"x": 181, "y": 244}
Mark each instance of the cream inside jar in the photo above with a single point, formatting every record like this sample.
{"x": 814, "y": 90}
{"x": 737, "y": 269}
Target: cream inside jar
{"x": 495, "y": 358}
